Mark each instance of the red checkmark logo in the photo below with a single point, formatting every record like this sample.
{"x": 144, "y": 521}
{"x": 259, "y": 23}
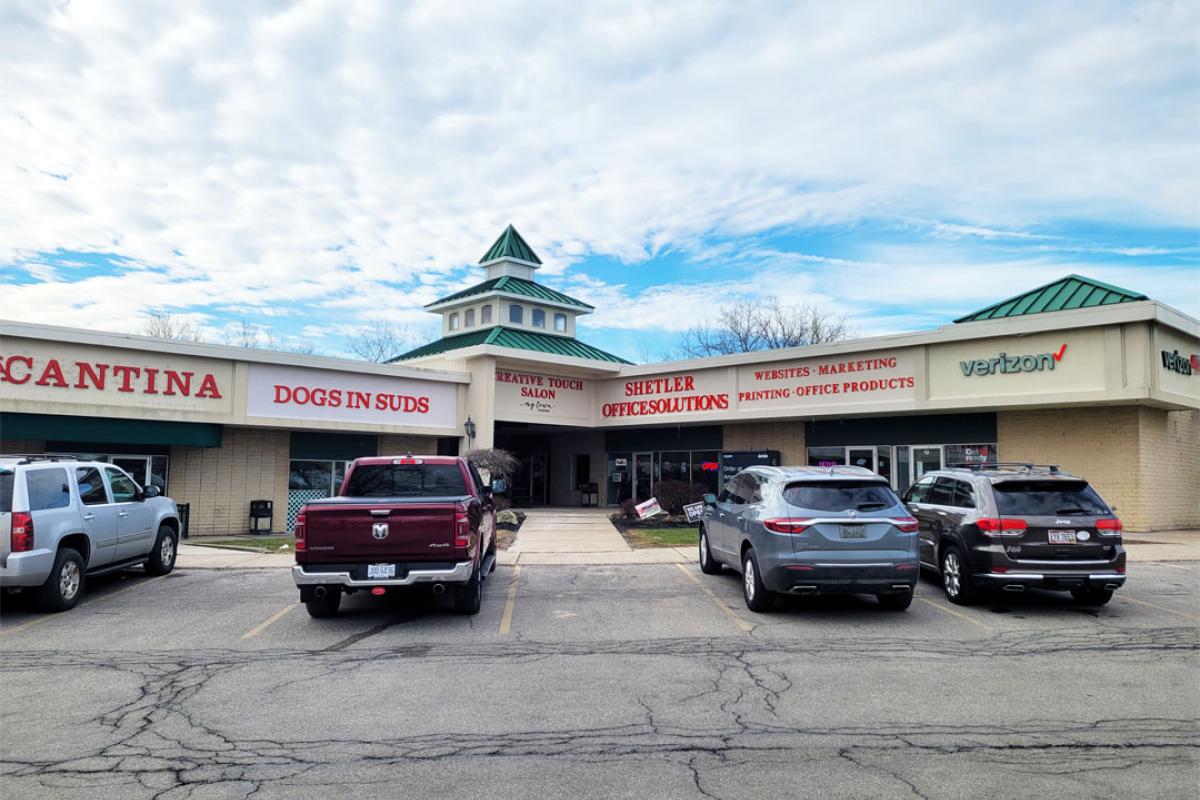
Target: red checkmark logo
{"x": 1058, "y": 356}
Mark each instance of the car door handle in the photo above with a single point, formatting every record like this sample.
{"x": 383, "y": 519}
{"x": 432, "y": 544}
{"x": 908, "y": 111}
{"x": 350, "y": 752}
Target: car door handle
{"x": 89, "y": 516}
{"x": 122, "y": 513}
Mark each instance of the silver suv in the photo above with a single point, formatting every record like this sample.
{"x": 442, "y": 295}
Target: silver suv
{"x": 62, "y": 519}
{"x": 809, "y": 530}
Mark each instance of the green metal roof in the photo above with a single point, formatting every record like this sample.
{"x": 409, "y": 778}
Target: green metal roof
{"x": 512, "y": 285}
{"x": 510, "y": 245}
{"x": 1073, "y": 291}
{"x": 500, "y": 336}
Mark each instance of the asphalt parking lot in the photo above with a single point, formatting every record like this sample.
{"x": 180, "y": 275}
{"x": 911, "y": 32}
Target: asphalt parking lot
{"x": 630, "y": 681}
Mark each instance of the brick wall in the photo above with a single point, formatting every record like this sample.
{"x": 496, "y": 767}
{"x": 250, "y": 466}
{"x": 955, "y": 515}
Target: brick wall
{"x": 220, "y": 482}
{"x": 1144, "y": 461}
{"x": 397, "y": 445}
{"x": 786, "y": 437}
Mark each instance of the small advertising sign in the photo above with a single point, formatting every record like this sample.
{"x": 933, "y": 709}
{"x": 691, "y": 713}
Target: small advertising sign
{"x": 648, "y": 508}
{"x": 694, "y": 511}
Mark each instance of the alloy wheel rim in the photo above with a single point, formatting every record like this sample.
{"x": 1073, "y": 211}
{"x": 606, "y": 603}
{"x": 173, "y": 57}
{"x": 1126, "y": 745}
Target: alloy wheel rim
{"x": 166, "y": 551}
{"x": 703, "y": 549}
{"x": 68, "y": 580}
{"x": 950, "y": 574}
{"x": 749, "y": 579}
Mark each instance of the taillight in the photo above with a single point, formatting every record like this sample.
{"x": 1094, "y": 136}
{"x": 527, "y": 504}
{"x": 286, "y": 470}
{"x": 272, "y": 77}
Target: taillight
{"x": 786, "y": 525}
{"x": 906, "y": 524}
{"x": 22, "y": 532}
{"x": 1109, "y": 526}
{"x": 1005, "y": 526}
{"x": 1121, "y": 570}
{"x": 999, "y": 570}
{"x": 300, "y": 532}
{"x": 462, "y": 529}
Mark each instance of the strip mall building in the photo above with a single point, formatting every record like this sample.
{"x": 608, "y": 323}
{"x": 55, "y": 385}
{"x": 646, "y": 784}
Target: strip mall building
{"x": 1100, "y": 380}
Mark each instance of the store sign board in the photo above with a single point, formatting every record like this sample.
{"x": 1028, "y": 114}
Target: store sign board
{"x": 282, "y": 392}
{"x": 1035, "y": 364}
{"x": 1176, "y": 362}
{"x": 840, "y": 380}
{"x": 704, "y": 393}
{"x": 548, "y": 398}
{"x": 45, "y": 372}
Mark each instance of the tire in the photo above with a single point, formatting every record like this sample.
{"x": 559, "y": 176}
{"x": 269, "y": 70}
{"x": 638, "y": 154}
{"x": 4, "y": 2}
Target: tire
{"x": 162, "y": 557}
{"x": 708, "y": 565}
{"x": 327, "y": 606}
{"x": 63, "y": 587}
{"x": 1092, "y": 597}
{"x": 758, "y": 598}
{"x": 492, "y": 551}
{"x": 898, "y": 601}
{"x": 956, "y": 582}
{"x": 470, "y": 595}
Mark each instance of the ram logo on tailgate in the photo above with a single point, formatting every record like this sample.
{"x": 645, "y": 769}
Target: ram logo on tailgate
{"x": 379, "y": 530}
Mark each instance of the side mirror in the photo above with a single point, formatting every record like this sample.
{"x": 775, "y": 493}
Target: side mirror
{"x": 150, "y": 491}
{"x": 710, "y": 499}
{"x": 499, "y": 486}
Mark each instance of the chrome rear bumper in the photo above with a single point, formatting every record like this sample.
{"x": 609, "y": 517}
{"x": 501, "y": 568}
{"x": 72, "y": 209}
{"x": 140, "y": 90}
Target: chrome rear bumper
{"x": 459, "y": 573}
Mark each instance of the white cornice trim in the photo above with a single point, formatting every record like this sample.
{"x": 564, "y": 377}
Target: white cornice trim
{"x": 502, "y": 259}
{"x": 447, "y": 305}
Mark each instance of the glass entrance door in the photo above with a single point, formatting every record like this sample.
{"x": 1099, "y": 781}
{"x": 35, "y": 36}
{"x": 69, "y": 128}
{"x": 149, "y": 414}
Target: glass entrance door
{"x": 861, "y": 457}
{"x": 643, "y": 476}
{"x": 537, "y": 479}
{"x": 925, "y": 459}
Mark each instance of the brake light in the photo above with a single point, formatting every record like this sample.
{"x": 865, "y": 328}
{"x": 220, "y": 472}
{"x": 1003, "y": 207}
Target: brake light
{"x": 300, "y": 532}
{"x": 462, "y": 528}
{"x": 786, "y": 525}
{"x": 1005, "y": 526}
{"x": 999, "y": 570}
{"x": 906, "y": 525}
{"x": 1121, "y": 570}
{"x": 22, "y": 532}
{"x": 407, "y": 460}
{"x": 1112, "y": 525}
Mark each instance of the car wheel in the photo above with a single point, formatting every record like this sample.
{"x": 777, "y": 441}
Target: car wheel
{"x": 492, "y": 552}
{"x": 956, "y": 580}
{"x": 1092, "y": 597}
{"x": 327, "y": 606}
{"x": 758, "y": 597}
{"x": 63, "y": 587}
{"x": 708, "y": 565}
{"x": 470, "y": 596}
{"x": 162, "y": 557}
{"x": 898, "y": 601}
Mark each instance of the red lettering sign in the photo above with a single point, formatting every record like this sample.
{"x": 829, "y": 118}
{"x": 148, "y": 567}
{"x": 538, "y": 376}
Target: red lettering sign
{"x": 98, "y": 376}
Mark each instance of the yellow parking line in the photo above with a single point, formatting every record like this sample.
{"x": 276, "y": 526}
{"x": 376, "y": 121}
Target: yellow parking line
{"x": 506, "y": 617}
{"x": 1185, "y": 615}
{"x": 721, "y": 604}
{"x": 262, "y": 626}
{"x": 84, "y": 602}
{"x": 959, "y": 614}
{"x": 11, "y": 629}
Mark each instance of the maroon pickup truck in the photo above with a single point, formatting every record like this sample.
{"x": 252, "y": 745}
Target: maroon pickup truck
{"x": 399, "y": 521}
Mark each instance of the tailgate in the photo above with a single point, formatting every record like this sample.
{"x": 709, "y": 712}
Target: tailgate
{"x": 361, "y": 532}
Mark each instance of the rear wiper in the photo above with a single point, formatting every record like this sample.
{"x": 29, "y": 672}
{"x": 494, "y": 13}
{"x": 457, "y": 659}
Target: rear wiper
{"x": 870, "y": 506}
{"x": 1071, "y": 511}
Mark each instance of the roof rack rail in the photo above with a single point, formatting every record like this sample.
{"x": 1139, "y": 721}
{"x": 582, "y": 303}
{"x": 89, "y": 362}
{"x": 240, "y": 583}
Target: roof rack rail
{"x": 29, "y": 458}
{"x": 1021, "y": 465}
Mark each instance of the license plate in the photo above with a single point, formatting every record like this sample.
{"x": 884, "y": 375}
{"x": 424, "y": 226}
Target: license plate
{"x": 381, "y": 571}
{"x": 854, "y": 531}
{"x": 1062, "y": 537}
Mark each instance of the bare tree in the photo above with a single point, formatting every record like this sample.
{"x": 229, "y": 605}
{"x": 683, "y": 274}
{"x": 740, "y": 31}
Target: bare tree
{"x": 161, "y": 325}
{"x": 495, "y": 463}
{"x": 251, "y": 336}
{"x": 380, "y": 341}
{"x": 745, "y": 326}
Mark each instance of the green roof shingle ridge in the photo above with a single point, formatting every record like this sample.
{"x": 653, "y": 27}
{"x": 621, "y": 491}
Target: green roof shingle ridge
{"x": 513, "y": 285}
{"x": 1064, "y": 294}
{"x": 501, "y": 336}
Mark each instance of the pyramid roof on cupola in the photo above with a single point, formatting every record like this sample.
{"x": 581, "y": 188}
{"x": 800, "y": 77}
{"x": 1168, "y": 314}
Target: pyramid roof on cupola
{"x": 510, "y": 245}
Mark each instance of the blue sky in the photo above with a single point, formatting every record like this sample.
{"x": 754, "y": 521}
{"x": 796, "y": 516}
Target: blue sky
{"x": 312, "y": 167}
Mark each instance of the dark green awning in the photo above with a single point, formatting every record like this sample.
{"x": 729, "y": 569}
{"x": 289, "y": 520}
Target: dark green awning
{"x": 61, "y": 428}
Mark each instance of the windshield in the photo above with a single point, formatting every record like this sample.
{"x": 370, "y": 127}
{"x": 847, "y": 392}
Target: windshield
{"x": 405, "y": 480}
{"x": 1049, "y": 498}
{"x": 840, "y": 496}
{"x": 6, "y": 491}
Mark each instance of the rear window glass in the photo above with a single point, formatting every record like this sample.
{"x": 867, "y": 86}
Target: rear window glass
{"x": 47, "y": 489}
{"x": 6, "y": 492}
{"x": 840, "y": 496}
{"x": 1048, "y": 498}
{"x": 405, "y": 480}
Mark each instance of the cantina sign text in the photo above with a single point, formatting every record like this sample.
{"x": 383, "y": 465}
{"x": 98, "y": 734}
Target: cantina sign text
{"x": 100, "y": 376}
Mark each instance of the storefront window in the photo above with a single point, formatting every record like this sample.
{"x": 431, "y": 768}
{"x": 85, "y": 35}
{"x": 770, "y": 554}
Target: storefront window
{"x": 675, "y": 467}
{"x": 706, "y": 469}
{"x": 826, "y": 456}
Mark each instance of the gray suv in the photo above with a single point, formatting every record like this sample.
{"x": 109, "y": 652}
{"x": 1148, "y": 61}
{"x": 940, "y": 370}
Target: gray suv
{"x": 62, "y": 519}
{"x": 809, "y": 530}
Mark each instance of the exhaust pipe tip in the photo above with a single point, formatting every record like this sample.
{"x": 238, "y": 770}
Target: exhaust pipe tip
{"x": 1014, "y": 587}
{"x": 320, "y": 591}
{"x": 438, "y": 588}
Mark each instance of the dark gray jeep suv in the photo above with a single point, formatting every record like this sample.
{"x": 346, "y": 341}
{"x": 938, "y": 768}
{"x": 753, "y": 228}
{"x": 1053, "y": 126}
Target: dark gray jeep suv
{"x": 809, "y": 530}
{"x": 1014, "y": 526}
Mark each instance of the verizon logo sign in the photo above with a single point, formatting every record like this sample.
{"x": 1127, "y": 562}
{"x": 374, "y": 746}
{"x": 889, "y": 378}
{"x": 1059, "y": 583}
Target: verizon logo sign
{"x": 1004, "y": 364}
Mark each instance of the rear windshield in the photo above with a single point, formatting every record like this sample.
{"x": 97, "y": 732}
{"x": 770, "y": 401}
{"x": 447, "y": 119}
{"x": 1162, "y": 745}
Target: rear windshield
{"x": 405, "y": 480}
{"x": 6, "y": 491}
{"x": 1049, "y": 498}
{"x": 840, "y": 496}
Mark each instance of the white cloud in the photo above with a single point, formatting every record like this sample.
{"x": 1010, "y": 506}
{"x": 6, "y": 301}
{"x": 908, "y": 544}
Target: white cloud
{"x": 323, "y": 152}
